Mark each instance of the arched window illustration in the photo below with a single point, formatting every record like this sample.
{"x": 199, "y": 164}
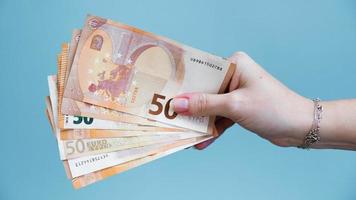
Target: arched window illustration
{"x": 97, "y": 42}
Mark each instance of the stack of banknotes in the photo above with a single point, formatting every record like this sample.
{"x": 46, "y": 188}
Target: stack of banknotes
{"x": 110, "y": 103}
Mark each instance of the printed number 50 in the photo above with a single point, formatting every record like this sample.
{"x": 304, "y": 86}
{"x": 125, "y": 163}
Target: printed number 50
{"x": 75, "y": 146}
{"x": 87, "y": 120}
{"x": 155, "y": 101}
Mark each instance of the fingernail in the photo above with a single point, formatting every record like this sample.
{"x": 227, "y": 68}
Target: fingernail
{"x": 180, "y": 104}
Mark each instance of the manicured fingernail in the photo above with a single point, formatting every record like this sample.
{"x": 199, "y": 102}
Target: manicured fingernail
{"x": 180, "y": 104}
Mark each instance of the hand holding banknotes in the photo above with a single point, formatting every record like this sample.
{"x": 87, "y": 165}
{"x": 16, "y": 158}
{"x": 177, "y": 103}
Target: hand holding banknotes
{"x": 110, "y": 103}
{"x": 260, "y": 103}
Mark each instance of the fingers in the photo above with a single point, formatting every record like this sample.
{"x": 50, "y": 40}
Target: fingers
{"x": 241, "y": 59}
{"x": 248, "y": 71}
{"x": 200, "y": 104}
{"x": 205, "y": 144}
{"x": 221, "y": 125}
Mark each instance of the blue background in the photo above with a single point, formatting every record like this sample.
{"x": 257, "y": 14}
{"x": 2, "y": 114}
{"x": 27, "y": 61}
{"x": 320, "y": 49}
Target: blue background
{"x": 309, "y": 45}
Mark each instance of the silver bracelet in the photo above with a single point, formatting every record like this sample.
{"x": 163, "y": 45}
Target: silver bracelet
{"x": 313, "y": 135}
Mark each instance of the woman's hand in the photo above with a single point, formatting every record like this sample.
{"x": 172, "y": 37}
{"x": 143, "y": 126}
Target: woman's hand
{"x": 256, "y": 101}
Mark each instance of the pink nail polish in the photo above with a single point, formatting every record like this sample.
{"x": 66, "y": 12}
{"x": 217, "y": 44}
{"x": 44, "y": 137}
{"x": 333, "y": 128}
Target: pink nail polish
{"x": 180, "y": 105}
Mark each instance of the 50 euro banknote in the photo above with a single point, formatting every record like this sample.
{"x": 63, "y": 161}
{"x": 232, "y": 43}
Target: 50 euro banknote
{"x": 64, "y": 62}
{"x": 89, "y": 133}
{"x": 88, "y": 164}
{"x": 82, "y": 122}
{"x": 86, "y": 170}
{"x": 84, "y": 142}
{"x": 95, "y": 143}
{"x": 129, "y": 70}
{"x": 78, "y": 146}
{"x": 162, "y": 151}
{"x": 92, "y": 141}
{"x": 84, "y": 147}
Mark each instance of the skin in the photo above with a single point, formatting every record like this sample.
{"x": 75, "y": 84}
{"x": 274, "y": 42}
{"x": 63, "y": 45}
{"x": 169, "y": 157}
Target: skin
{"x": 258, "y": 102}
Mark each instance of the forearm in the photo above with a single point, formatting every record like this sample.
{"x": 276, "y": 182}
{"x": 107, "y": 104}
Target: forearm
{"x": 338, "y": 125}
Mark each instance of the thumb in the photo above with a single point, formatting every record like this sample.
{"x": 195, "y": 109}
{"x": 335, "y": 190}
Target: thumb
{"x": 201, "y": 104}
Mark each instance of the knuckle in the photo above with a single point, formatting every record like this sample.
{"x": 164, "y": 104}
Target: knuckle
{"x": 240, "y": 57}
{"x": 231, "y": 107}
{"x": 232, "y": 101}
{"x": 201, "y": 103}
{"x": 235, "y": 104}
{"x": 240, "y": 54}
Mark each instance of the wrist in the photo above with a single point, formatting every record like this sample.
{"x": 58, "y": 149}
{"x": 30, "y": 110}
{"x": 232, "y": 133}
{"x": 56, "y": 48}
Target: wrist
{"x": 334, "y": 131}
{"x": 334, "y": 127}
{"x": 302, "y": 121}
{"x": 296, "y": 121}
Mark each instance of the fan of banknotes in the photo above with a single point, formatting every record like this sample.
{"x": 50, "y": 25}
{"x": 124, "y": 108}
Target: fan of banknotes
{"x": 110, "y": 103}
